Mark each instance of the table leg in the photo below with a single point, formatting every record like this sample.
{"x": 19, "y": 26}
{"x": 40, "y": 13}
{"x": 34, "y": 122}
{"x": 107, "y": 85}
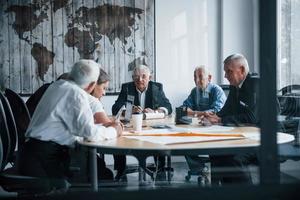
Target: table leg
{"x": 169, "y": 169}
{"x": 142, "y": 165}
{"x": 93, "y": 168}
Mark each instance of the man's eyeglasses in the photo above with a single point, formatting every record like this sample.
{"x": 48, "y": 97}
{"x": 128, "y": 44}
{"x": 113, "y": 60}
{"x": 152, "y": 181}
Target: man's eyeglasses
{"x": 138, "y": 77}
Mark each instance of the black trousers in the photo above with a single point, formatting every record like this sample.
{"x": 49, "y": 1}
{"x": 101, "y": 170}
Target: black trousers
{"x": 120, "y": 163}
{"x": 232, "y": 169}
{"x": 47, "y": 160}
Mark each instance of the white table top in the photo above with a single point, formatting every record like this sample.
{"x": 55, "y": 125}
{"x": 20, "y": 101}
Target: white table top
{"x": 125, "y": 145}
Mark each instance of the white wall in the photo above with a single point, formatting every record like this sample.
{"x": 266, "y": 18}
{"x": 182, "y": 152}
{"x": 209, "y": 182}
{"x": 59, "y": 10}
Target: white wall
{"x": 195, "y": 32}
{"x": 239, "y": 29}
{"x": 182, "y": 43}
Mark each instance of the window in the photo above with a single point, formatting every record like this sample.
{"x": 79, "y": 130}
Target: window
{"x": 288, "y": 71}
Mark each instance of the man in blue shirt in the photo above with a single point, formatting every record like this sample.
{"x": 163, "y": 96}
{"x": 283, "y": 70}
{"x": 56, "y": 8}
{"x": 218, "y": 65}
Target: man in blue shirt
{"x": 205, "y": 97}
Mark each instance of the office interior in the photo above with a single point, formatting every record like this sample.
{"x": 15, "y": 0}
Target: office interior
{"x": 176, "y": 36}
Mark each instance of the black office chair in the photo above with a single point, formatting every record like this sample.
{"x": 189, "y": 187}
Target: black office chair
{"x": 225, "y": 88}
{"x": 289, "y": 106}
{"x": 4, "y": 135}
{"x": 12, "y": 129}
{"x": 290, "y": 89}
{"x": 35, "y": 98}
{"x": 20, "y": 113}
{"x": 10, "y": 180}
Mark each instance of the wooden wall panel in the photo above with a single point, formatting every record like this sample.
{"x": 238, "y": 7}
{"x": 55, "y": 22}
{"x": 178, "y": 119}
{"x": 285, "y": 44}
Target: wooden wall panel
{"x": 129, "y": 46}
{"x": 40, "y": 40}
{"x": 4, "y": 47}
{"x": 58, "y": 21}
{"x": 14, "y": 47}
{"x": 68, "y": 52}
{"x": 149, "y": 34}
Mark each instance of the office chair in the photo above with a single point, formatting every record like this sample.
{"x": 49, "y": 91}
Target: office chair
{"x": 289, "y": 107}
{"x": 11, "y": 128}
{"x": 202, "y": 173}
{"x": 10, "y": 180}
{"x": 225, "y": 88}
{"x": 20, "y": 113}
{"x": 290, "y": 89}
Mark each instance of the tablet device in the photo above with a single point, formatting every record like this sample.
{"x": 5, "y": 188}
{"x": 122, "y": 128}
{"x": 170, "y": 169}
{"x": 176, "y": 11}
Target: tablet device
{"x": 119, "y": 113}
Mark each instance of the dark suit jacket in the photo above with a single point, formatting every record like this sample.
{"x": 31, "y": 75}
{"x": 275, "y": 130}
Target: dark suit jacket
{"x": 241, "y": 104}
{"x": 155, "y": 97}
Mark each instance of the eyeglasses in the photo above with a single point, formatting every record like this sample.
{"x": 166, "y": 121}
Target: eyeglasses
{"x": 138, "y": 77}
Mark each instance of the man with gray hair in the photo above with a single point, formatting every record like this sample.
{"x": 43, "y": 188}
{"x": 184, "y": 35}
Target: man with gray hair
{"x": 240, "y": 108}
{"x": 62, "y": 114}
{"x": 148, "y": 97}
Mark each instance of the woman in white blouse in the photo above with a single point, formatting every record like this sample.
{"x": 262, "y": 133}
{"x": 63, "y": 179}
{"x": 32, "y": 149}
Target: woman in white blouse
{"x": 100, "y": 116}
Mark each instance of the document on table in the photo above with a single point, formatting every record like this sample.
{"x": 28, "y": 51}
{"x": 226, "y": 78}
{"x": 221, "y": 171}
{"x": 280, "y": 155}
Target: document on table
{"x": 167, "y": 140}
{"x": 176, "y": 135}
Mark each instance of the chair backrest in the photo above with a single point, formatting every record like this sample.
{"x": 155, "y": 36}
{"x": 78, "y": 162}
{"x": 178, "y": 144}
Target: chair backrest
{"x": 20, "y": 113}
{"x": 290, "y": 89}
{"x": 225, "y": 88}
{"x": 4, "y": 134}
{"x": 35, "y": 98}
{"x": 11, "y": 125}
{"x": 1, "y": 154}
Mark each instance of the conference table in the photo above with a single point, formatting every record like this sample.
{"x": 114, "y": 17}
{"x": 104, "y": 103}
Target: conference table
{"x": 125, "y": 145}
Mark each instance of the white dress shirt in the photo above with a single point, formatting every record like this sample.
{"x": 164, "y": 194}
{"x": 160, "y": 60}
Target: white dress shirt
{"x": 63, "y": 113}
{"x": 142, "y": 97}
{"x": 95, "y": 104}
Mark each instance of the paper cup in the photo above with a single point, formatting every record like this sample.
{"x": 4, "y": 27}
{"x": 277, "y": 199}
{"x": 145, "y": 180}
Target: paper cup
{"x": 137, "y": 121}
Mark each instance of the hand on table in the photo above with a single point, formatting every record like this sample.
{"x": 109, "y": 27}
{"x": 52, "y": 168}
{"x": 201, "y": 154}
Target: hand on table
{"x": 118, "y": 126}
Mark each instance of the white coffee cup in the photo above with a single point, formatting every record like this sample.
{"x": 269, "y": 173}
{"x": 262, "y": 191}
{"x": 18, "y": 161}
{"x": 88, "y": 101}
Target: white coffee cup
{"x": 137, "y": 121}
{"x": 195, "y": 121}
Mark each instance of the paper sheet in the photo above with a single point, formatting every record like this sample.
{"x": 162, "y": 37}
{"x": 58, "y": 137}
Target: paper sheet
{"x": 167, "y": 140}
{"x": 204, "y": 129}
{"x": 174, "y": 129}
{"x": 282, "y": 137}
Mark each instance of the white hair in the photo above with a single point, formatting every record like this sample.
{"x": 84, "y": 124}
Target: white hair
{"x": 238, "y": 58}
{"x": 203, "y": 69}
{"x": 141, "y": 68}
{"x": 84, "y": 72}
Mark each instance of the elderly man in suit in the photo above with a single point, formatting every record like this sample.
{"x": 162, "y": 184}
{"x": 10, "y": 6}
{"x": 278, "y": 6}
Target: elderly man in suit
{"x": 240, "y": 108}
{"x": 148, "y": 97}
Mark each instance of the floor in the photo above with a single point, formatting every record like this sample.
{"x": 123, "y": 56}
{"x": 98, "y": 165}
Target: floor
{"x": 289, "y": 173}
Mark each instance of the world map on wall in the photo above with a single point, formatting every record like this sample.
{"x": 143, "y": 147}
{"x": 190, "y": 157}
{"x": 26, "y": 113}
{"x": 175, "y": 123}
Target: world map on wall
{"x": 84, "y": 28}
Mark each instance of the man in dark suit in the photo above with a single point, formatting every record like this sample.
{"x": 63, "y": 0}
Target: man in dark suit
{"x": 154, "y": 99}
{"x": 149, "y": 97}
{"x": 240, "y": 108}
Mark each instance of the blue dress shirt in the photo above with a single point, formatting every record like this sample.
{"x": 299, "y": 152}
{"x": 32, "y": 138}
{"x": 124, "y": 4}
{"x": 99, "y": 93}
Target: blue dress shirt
{"x": 211, "y": 99}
